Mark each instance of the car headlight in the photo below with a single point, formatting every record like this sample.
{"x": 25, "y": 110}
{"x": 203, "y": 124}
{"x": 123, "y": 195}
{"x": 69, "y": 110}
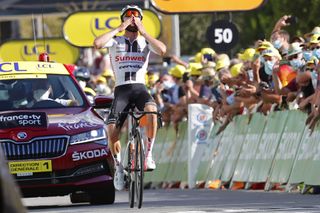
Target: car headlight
{"x": 86, "y": 137}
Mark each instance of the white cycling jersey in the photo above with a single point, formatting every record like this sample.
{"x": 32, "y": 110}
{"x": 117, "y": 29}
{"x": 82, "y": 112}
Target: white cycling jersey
{"x": 129, "y": 59}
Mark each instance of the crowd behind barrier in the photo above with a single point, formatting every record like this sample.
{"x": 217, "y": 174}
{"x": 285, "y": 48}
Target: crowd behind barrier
{"x": 275, "y": 74}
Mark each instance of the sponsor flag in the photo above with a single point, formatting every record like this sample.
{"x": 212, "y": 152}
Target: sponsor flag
{"x": 199, "y": 126}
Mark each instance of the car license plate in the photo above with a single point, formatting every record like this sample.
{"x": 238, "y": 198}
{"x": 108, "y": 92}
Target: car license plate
{"x": 29, "y": 167}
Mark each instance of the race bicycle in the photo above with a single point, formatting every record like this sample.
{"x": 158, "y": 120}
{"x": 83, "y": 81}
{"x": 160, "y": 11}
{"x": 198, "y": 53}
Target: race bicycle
{"x": 134, "y": 157}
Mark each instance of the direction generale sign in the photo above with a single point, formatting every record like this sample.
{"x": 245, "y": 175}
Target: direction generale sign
{"x": 81, "y": 28}
{"x": 190, "y": 6}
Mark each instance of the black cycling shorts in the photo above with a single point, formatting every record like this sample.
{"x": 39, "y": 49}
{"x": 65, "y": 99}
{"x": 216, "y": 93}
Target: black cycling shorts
{"x": 126, "y": 97}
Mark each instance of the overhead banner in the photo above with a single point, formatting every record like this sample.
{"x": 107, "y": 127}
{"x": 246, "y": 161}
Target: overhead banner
{"x": 192, "y": 6}
{"x": 81, "y": 28}
{"x": 28, "y": 50}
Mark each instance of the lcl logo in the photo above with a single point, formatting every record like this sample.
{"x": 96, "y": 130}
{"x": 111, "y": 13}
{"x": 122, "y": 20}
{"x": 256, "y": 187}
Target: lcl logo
{"x": 99, "y": 25}
{"x": 34, "y": 49}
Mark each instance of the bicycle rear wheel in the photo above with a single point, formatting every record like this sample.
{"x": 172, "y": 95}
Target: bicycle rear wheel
{"x": 130, "y": 180}
{"x": 139, "y": 168}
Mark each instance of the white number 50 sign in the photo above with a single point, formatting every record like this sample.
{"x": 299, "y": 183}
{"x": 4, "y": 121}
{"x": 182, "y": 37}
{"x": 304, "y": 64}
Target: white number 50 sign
{"x": 222, "y": 35}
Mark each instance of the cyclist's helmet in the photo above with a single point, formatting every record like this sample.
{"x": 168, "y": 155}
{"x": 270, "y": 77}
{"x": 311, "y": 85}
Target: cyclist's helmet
{"x": 82, "y": 73}
{"x": 130, "y": 7}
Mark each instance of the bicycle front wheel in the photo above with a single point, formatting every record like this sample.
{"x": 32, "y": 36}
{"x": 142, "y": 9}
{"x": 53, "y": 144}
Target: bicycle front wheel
{"x": 139, "y": 168}
{"x": 130, "y": 179}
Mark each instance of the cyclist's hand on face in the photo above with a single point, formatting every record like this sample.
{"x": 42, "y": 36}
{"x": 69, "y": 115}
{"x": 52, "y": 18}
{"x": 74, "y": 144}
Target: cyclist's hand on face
{"x": 138, "y": 23}
{"x": 125, "y": 24}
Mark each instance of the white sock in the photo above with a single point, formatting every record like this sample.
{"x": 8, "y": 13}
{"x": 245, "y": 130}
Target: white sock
{"x": 150, "y": 147}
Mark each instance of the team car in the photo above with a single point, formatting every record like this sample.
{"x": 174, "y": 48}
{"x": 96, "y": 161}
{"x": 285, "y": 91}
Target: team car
{"x": 53, "y": 138}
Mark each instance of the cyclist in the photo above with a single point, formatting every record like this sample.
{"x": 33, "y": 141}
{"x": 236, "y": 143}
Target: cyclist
{"x": 129, "y": 57}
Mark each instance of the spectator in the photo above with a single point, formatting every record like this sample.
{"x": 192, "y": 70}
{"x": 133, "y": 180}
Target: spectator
{"x": 152, "y": 78}
{"x": 101, "y": 86}
{"x": 223, "y": 61}
{"x": 298, "y": 39}
{"x": 207, "y": 54}
{"x": 315, "y": 31}
{"x": 208, "y": 80}
{"x": 279, "y": 37}
{"x": 284, "y": 79}
{"x": 247, "y": 55}
{"x": 110, "y": 81}
{"x": 171, "y": 97}
{"x": 314, "y": 46}
{"x": 192, "y": 82}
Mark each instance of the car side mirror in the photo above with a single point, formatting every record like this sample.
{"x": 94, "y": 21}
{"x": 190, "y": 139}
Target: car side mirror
{"x": 102, "y": 102}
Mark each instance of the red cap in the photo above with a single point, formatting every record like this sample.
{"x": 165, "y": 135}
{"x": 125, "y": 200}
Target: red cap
{"x": 44, "y": 57}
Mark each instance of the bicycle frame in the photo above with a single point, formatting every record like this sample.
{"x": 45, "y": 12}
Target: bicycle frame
{"x": 134, "y": 130}
{"x": 134, "y": 122}
{"x": 135, "y": 163}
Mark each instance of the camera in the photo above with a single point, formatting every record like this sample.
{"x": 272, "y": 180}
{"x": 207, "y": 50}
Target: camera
{"x": 291, "y": 20}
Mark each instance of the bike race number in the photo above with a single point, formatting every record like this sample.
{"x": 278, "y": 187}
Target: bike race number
{"x": 222, "y": 35}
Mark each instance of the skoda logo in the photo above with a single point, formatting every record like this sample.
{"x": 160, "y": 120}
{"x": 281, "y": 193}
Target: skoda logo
{"x": 22, "y": 135}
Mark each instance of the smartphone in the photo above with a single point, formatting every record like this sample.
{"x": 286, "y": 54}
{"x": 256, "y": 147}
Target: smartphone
{"x": 292, "y": 20}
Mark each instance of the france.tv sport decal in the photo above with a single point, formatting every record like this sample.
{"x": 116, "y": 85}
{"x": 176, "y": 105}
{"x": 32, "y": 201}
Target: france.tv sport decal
{"x": 23, "y": 119}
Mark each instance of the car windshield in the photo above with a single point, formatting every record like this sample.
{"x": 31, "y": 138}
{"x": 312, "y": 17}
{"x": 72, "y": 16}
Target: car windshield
{"x": 39, "y": 92}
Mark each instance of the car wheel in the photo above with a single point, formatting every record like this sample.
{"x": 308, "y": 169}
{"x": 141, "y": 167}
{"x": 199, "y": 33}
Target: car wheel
{"x": 102, "y": 196}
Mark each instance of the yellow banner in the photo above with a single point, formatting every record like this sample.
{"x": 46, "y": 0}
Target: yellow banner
{"x": 27, "y": 50}
{"x": 28, "y": 67}
{"x": 81, "y": 28}
{"x": 17, "y": 167}
{"x": 190, "y": 6}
